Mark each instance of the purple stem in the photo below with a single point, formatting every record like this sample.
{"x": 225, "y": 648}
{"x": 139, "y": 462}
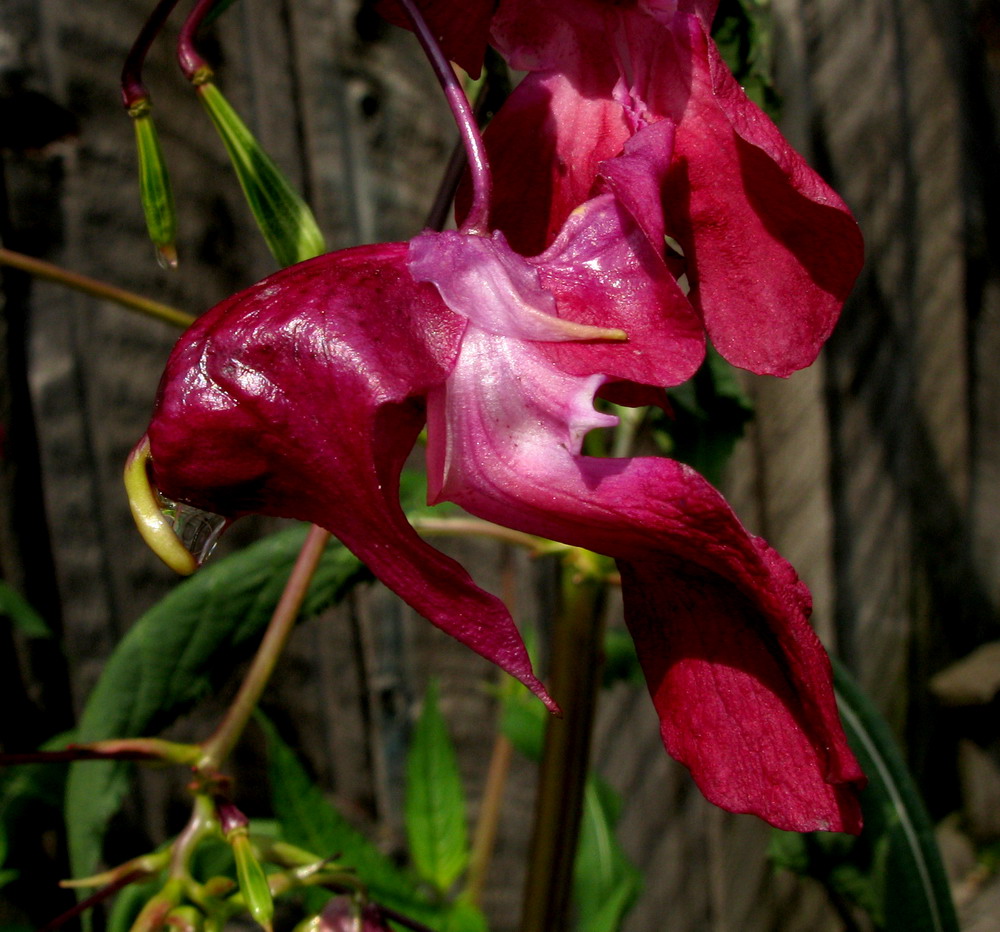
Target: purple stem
{"x": 478, "y": 219}
{"x": 133, "y": 90}
{"x": 190, "y": 61}
{"x": 92, "y": 900}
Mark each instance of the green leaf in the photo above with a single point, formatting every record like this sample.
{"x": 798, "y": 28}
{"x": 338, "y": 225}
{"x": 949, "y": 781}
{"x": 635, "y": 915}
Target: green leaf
{"x": 288, "y": 225}
{"x": 23, "y": 616}
{"x": 309, "y": 821}
{"x": 605, "y": 882}
{"x": 743, "y": 32}
{"x": 129, "y": 903}
{"x": 180, "y": 650}
{"x": 154, "y": 188}
{"x": 435, "y": 801}
{"x": 464, "y": 917}
{"x": 29, "y": 792}
{"x": 893, "y": 870}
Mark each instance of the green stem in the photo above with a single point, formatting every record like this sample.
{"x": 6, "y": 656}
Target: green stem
{"x": 95, "y": 288}
{"x": 216, "y": 749}
{"x": 476, "y": 527}
{"x": 575, "y": 671}
{"x": 484, "y": 840}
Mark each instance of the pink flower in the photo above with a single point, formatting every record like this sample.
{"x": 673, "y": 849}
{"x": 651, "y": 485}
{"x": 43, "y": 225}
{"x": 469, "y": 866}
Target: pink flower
{"x": 632, "y": 96}
{"x": 303, "y": 395}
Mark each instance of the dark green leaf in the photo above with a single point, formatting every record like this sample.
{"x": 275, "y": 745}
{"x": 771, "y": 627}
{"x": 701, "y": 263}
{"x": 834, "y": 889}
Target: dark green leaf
{"x": 743, "y": 31}
{"x": 606, "y": 883}
{"x": 128, "y": 904}
{"x": 710, "y": 414}
{"x": 178, "y": 652}
{"x": 893, "y": 869}
{"x": 621, "y": 663}
{"x": 23, "y": 616}
{"x": 309, "y": 821}
{"x": 435, "y": 801}
{"x": 288, "y": 225}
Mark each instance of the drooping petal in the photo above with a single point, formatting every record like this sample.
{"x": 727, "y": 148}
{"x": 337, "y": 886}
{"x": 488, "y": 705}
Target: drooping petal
{"x": 505, "y": 433}
{"x": 301, "y": 397}
{"x": 744, "y": 696}
{"x": 772, "y": 251}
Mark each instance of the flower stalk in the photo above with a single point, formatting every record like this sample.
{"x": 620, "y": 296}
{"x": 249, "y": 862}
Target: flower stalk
{"x": 96, "y": 289}
{"x": 575, "y": 677}
{"x": 216, "y": 749}
{"x": 478, "y": 219}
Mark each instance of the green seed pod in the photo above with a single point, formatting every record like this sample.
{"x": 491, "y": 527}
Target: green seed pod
{"x": 287, "y": 223}
{"x": 154, "y": 185}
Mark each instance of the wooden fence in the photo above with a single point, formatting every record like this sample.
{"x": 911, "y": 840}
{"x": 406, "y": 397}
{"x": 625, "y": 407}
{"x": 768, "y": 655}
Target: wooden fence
{"x": 876, "y": 472}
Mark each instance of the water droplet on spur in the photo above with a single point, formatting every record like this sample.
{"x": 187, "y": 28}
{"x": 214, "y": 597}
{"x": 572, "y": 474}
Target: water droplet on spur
{"x": 198, "y": 530}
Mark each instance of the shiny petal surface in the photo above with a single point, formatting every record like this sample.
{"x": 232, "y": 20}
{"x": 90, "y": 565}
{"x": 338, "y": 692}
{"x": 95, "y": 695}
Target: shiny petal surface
{"x": 301, "y": 397}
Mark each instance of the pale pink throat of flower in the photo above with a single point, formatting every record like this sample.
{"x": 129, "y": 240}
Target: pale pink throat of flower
{"x": 154, "y": 526}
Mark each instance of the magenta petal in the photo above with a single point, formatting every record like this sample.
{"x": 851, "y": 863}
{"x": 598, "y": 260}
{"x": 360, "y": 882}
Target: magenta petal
{"x": 505, "y": 432}
{"x": 603, "y": 271}
{"x": 744, "y": 698}
{"x": 638, "y": 175}
{"x": 300, "y": 398}
{"x": 545, "y": 145}
{"x": 772, "y": 251}
{"x": 600, "y": 273}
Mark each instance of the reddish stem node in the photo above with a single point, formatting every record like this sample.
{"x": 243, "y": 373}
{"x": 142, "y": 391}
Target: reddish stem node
{"x": 133, "y": 90}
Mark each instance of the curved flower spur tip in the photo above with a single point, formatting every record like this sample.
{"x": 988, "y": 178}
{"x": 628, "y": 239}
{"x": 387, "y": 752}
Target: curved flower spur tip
{"x": 153, "y": 525}
{"x": 181, "y": 536}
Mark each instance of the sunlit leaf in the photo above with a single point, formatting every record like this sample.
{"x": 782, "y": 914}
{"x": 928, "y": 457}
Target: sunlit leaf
{"x": 435, "y": 801}
{"x": 605, "y": 882}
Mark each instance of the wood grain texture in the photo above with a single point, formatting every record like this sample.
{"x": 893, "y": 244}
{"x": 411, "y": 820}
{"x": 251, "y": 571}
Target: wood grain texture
{"x": 877, "y": 472}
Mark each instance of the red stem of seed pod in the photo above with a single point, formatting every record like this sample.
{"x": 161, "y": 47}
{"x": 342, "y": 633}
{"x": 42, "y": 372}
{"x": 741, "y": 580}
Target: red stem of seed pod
{"x": 133, "y": 90}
